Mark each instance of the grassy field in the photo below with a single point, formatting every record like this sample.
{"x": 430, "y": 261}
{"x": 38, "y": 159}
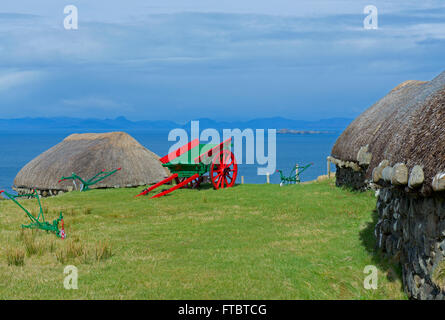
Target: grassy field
{"x": 307, "y": 241}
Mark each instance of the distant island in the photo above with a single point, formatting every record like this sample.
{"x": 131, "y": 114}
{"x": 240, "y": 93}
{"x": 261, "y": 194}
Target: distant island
{"x": 330, "y": 125}
{"x": 290, "y": 131}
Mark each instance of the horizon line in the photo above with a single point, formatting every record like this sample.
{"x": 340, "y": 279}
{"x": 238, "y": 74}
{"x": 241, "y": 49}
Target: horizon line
{"x": 175, "y": 121}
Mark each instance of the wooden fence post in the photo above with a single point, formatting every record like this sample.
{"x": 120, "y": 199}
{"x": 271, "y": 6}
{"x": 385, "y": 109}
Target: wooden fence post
{"x": 329, "y": 169}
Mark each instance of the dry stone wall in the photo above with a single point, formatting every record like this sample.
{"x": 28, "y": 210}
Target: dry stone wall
{"x": 411, "y": 230}
{"x": 350, "y": 173}
{"x": 349, "y": 177}
{"x": 41, "y": 193}
{"x": 411, "y": 220}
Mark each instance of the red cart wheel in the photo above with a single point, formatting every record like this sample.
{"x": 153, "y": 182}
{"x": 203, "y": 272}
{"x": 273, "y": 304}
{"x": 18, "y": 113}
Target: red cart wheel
{"x": 191, "y": 185}
{"x": 223, "y": 170}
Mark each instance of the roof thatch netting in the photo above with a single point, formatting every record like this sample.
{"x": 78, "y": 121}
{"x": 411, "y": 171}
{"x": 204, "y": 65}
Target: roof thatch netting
{"x": 86, "y": 155}
{"x": 407, "y": 125}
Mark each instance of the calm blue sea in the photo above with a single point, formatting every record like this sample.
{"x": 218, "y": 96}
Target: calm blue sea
{"x": 17, "y": 149}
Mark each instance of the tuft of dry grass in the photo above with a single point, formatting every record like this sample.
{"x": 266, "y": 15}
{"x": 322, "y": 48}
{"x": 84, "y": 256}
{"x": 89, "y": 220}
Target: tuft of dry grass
{"x": 439, "y": 275}
{"x": 31, "y": 245}
{"x": 72, "y": 250}
{"x": 103, "y": 251}
{"x": 51, "y": 245}
{"x": 76, "y": 250}
{"x": 15, "y": 256}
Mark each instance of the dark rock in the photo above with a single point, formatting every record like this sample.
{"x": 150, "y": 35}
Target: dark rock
{"x": 386, "y": 212}
{"x": 441, "y": 228}
{"x": 422, "y": 266}
{"x": 440, "y": 208}
{"x": 382, "y": 241}
{"x": 432, "y": 222}
{"x": 426, "y": 292}
{"x": 386, "y": 226}
{"x": 442, "y": 246}
{"x": 404, "y": 205}
{"x": 428, "y": 206}
{"x": 388, "y": 245}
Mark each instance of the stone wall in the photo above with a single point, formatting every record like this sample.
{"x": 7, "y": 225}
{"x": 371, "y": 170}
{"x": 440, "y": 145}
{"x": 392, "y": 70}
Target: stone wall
{"x": 411, "y": 230}
{"x": 352, "y": 173}
{"x": 42, "y": 193}
{"x": 349, "y": 177}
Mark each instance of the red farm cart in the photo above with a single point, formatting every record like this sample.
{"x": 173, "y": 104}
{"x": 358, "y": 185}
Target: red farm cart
{"x": 191, "y": 162}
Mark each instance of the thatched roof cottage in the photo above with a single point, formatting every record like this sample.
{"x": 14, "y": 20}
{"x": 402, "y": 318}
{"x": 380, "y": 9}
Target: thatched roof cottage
{"x": 398, "y": 145}
{"x": 406, "y": 126}
{"x": 86, "y": 155}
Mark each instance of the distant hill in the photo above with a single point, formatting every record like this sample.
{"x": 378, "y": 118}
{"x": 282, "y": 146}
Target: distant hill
{"x": 332, "y": 124}
{"x": 121, "y": 123}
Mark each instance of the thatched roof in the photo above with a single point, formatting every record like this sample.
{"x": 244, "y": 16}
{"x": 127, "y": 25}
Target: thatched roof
{"x": 406, "y": 126}
{"x": 86, "y": 155}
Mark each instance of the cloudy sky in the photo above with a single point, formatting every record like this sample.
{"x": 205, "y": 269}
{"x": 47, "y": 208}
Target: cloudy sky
{"x": 232, "y": 59}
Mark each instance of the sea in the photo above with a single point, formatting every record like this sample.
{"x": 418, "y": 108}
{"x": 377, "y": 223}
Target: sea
{"x": 17, "y": 149}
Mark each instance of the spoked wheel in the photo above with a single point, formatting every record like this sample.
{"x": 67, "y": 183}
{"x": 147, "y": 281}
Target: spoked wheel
{"x": 194, "y": 184}
{"x": 223, "y": 170}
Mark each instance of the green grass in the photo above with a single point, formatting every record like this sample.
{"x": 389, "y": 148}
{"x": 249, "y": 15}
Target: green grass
{"x": 308, "y": 241}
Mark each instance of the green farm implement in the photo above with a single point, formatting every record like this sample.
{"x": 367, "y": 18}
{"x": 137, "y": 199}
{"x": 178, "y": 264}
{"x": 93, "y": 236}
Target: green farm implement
{"x": 294, "y": 175}
{"x": 85, "y": 184}
{"x": 191, "y": 162}
{"x": 39, "y": 221}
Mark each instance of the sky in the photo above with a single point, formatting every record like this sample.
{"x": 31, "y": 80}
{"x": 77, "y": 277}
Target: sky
{"x": 226, "y": 60}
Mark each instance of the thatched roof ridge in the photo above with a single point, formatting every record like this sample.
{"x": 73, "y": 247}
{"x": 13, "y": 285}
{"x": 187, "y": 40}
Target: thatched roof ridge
{"x": 408, "y": 83}
{"x": 406, "y": 126}
{"x": 86, "y": 155}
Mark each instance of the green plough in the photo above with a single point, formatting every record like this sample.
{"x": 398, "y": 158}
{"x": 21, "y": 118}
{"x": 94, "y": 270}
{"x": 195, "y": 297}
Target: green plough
{"x": 39, "y": 221}
{"x": 294, "y": 175}
{"x": 85, "y": 184}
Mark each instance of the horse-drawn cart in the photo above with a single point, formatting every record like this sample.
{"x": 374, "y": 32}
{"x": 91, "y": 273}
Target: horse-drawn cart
{"x": 190, "y": 163}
